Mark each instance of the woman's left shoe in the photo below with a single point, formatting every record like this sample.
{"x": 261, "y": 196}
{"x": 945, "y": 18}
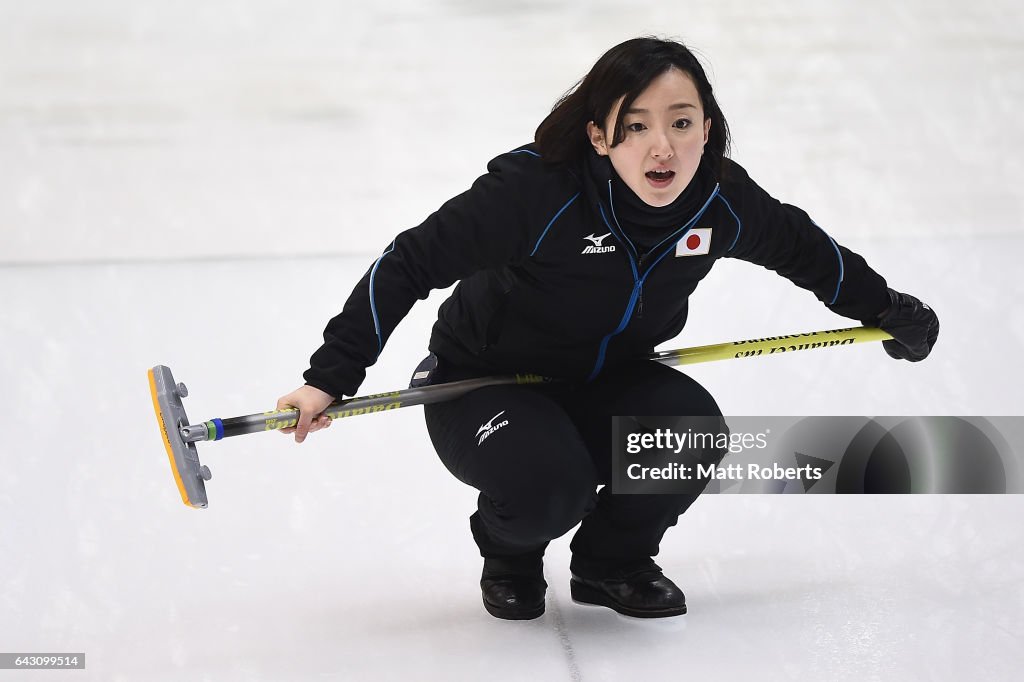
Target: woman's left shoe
{"x": 638, "y": 589}
{"x": 513, "y": 587}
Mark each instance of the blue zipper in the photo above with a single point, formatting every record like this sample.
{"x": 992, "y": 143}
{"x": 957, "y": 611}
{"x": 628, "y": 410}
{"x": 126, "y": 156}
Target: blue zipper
{"x": 622, "y": 325}
{"x": 638, "y": 284}
{"x": 636, "y": 299}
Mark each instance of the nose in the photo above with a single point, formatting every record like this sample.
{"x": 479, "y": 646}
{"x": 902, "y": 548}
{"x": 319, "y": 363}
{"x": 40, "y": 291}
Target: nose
{"x": 660, "y": 147}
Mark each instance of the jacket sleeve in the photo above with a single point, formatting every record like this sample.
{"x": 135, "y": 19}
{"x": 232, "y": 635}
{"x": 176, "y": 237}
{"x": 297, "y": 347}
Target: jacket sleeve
{"x": 783, "y": 238}
{"x": 485, "y": 227}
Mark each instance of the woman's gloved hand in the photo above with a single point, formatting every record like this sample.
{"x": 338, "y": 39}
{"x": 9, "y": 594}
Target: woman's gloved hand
{"x": 913, "y": 326}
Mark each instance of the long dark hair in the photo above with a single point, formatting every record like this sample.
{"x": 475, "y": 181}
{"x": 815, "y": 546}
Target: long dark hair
{"x": 625, "y": 71}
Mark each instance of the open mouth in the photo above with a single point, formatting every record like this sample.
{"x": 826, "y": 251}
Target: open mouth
{"x": 660, "y": 178}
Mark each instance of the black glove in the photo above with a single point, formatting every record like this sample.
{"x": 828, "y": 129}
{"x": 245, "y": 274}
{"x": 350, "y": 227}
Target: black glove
{"x": 912, "y": 325}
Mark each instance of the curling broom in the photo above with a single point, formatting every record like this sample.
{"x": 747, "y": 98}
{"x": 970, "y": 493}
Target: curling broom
{"x": 180, "y": 436}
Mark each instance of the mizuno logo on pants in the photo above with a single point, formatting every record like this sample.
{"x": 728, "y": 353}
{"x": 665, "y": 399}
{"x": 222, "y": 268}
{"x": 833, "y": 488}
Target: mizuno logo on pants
{"x": 489, "y": 427}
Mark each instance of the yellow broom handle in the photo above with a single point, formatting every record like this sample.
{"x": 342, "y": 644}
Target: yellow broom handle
{"x": 772, "y": 345}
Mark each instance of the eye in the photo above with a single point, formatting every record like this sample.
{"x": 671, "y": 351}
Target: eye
{"x": 683, "y": 123}
{"x": 636, "y": 127}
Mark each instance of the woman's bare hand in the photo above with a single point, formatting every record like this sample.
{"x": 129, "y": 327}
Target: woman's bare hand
{"x": 310, "y": 402}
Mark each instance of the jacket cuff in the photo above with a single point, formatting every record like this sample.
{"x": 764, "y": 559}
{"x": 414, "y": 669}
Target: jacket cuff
{"x": 867, "y": 308}
{"x": 318, "y": 380}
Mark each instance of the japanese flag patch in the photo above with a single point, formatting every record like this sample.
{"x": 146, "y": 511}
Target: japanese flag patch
{"x": 697, "y": 242}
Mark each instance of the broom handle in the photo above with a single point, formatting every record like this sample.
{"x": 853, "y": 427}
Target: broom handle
{"x": 216, "y": 429}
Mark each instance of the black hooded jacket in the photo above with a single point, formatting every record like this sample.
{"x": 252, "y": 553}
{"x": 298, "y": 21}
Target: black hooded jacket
{"x": 552, "y": 282}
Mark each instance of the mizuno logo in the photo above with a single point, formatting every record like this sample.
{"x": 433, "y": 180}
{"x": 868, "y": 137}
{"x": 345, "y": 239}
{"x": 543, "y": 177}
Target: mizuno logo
{"x": 596, "y": 244}
{"x": 489, "y": 427}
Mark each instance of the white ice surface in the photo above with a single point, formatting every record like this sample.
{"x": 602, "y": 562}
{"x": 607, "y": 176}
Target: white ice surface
{"x": 349, "y": 557}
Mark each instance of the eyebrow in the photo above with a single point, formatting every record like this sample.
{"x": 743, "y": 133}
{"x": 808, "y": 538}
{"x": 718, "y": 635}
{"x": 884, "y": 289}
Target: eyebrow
{"x": 680, "y": 105}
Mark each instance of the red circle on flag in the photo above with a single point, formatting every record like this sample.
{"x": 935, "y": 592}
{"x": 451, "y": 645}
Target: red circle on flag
{"x": 692, "y": 242}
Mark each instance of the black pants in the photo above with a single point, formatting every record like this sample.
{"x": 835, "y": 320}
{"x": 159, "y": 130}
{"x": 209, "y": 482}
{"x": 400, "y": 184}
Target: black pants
{"x": 537, "y": 454}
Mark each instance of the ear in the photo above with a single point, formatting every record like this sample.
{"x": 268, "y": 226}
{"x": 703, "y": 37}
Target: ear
{"x": 707, "y": 129}
{"x": 597, "y": 139}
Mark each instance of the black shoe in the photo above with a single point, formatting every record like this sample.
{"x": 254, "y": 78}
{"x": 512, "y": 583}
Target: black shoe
{"x": 513, "y": 588}
{"x": 636, "y": 589}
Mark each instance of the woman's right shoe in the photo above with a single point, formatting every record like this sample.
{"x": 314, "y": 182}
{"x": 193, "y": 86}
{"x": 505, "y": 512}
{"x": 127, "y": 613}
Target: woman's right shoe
{"x": 638, "y": 589}
{"x": 513, "y": 589}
